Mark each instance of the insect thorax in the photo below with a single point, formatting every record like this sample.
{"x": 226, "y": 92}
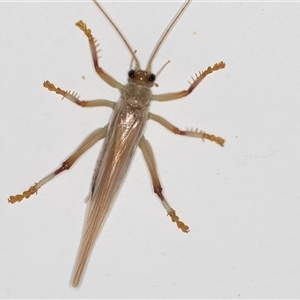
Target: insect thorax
{"x": 136, "y": 96}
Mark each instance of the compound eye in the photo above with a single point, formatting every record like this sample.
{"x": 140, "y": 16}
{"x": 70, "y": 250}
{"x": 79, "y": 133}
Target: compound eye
{"x": 151, "y": 77}
{"x": 131, "y": 73}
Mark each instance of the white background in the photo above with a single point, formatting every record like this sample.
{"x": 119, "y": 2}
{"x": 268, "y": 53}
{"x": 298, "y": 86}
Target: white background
{"x": 242, "y": 202}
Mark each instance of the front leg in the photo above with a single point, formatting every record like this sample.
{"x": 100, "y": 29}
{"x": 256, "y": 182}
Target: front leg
{"x": 184, "y": 93}
{"x": 197, "y": 134}
{"x": 92, "y": 41}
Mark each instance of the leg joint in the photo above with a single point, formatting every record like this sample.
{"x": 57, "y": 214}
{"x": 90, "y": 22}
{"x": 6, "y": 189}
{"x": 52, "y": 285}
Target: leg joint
{"x": 66, "y": 165}
{"x": 158, "y": 190}
{"x": 178, "y": 131}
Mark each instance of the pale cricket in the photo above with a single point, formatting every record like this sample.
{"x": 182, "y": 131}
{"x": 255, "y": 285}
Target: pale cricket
{"x": 122, "y": 135}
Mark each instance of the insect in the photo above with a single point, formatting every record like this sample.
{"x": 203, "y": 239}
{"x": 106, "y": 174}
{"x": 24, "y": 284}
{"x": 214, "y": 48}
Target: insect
{"x": 122, "y": 135}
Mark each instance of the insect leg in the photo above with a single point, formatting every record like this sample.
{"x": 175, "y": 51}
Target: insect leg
{"x": 198, "y": 134}
{"x": 94, "y": 137}
{"x": 150, "y": 161}
{"x": 93, "y": 46}
{"x": 73, "y": 97}
{"x": 184, "y": 93}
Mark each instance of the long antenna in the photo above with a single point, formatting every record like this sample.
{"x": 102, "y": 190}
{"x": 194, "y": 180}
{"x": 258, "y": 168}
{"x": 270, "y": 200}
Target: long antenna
{"x": 165, "y": 34}
{"x": 120, "y": 34}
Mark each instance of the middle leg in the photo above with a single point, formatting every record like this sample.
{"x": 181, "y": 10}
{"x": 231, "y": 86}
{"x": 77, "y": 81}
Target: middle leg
{"x": 198, "y": 134}
{"x": 75, "y": 99}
